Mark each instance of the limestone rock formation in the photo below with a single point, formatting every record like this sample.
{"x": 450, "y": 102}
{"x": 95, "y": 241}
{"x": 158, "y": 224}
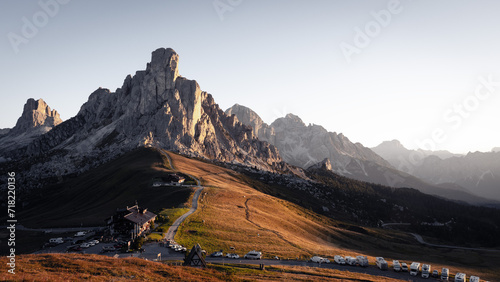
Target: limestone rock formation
{"x": 155, "y": 107}
{"x": 37, "y": 119}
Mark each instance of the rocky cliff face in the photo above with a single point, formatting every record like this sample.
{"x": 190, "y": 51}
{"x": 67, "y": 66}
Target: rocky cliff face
{"x": 155, "y": 107}
{"x": 36, "y": 114}
{"x": 303, "y": 146}
{"x": 37, "y": 119}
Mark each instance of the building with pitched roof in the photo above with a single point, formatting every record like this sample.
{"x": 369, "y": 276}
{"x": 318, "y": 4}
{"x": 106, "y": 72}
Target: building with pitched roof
{"x": 131, "y": 222}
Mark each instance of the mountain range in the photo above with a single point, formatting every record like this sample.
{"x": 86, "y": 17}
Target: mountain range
{"x": 157, "y": 107}
{"x": 477, "y": 173}
{"x": 312, "y": 145}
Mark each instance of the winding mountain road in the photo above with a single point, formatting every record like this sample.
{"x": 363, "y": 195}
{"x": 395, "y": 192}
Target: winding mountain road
{"x": 421, "y": 240}
{"x": 175, "y": 226}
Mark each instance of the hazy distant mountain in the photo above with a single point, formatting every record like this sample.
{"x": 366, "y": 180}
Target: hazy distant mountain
{"x": 496, "y": 149}
{"x": 313, "y": 145}
{"x": 478, "y": 173}
{"x": 156, "y": 107}
{"x": 37, "y": 119}
{"x": 404, "y": 159}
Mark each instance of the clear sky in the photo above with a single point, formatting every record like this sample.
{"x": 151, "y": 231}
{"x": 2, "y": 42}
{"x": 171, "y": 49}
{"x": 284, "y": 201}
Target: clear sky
{"x": 373, "y": 70}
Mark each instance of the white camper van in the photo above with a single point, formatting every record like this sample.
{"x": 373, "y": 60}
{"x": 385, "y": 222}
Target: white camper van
{"x": 338, "y": 259}
{"x": 253, "y": 255}
{"x": 381, "y": 263}
{"x": 460, "y": 277}
{"x": 362, "y": 261}
{"x": 396, "y": 265}
{"x": 426, "y": 270}
{"x": 444, "y": 274}
{"x": 414, "y": 268}
{"x": 350, "y": 260}
{"x": 474, "y": 279}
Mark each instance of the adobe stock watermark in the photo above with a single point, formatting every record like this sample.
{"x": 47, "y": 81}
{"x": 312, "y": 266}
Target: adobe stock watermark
{"x": 363, "y": 37}
{"x": 454, "y": 117}
{"x": 223, "y": 6}
{"x": 31, "y": 26}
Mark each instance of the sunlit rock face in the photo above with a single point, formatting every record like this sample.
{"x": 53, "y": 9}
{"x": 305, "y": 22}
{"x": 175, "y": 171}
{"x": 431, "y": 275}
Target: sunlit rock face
{"x": 155, "y": 107}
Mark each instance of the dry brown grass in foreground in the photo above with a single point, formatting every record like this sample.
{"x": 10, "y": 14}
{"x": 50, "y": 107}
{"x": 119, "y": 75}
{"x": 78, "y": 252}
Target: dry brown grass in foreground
{"x": 74, "y": 267}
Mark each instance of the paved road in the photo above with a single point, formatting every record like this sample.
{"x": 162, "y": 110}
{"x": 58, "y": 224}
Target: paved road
{"x": 173, "y": 229}
{"x": 421, "y": 241}
{"x": 371, "y": 270}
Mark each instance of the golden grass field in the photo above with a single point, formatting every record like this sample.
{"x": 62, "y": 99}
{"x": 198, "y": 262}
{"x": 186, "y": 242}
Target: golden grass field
{"x": 233, "y": 214}
{"x": 73, "y": 267}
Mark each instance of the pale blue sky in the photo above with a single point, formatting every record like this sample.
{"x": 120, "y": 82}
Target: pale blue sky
{"x": 275, "y": 57}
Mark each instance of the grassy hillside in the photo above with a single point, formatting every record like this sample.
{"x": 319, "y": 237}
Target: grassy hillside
{"x": 233, "y": 213}
{"x": 91, "y": 197}
{"x": 72, "y": 267}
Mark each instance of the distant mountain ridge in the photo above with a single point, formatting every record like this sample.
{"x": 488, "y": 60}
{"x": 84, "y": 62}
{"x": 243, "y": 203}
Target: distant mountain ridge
{"x": 306, "y": 146}
{"x": 404, "y": 159}
{"x": 477, "y": 173}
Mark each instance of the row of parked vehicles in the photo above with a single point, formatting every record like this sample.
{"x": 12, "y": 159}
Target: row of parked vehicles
{"x": 414, "y": 269}
{"x": 425, "y": 270}
{"x": 359, "y": 260}
{"x": 250, "y": 255}
{"x": 175, "y": 246}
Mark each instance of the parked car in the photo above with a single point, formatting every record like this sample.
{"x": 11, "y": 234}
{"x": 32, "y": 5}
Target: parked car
{"x": 56, "y": 241}
{"x": 444, "y": 274}
{"x": 84, "y": 245}
{"x": 339, "y": 259}
{"x": 404, "y": 267}
{"x": 95, "y": 242}
{"x": 435, "y": 273}
{"x": 232, "y": 256}
{"x": 216, "y": 254}
{"x": 253, "y": 255}
{"x": 317, "y": 259}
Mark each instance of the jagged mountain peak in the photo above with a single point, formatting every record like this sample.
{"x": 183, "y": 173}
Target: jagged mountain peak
{"x": 36, "y": 113}
{"x": 155, "y": 107}
{"x": 290, "y": 120}
{"x": 37, "y": 119}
